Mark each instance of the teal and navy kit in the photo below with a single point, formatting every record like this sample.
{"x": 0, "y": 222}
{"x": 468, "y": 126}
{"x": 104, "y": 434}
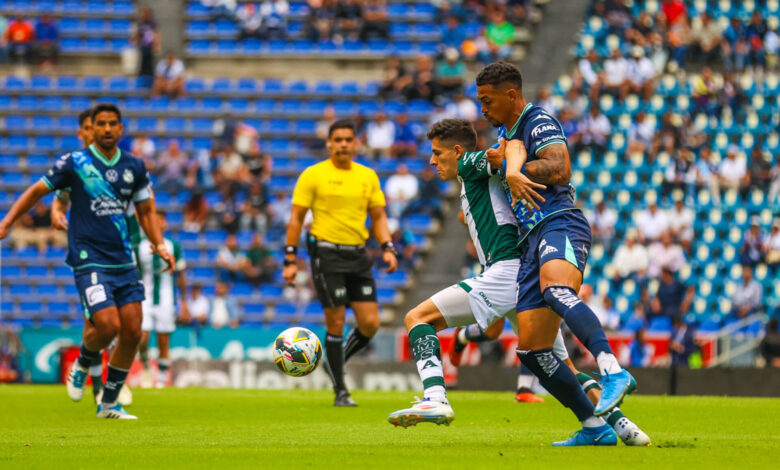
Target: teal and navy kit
{"x": 99, "y": 240}
{"x": 558, "y": 230}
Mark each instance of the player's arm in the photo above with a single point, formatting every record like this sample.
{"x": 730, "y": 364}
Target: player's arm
{"x": 553, "y": 166}
{"x": 297, "y": 216}
{"x": 523, "y": 189}
{"x": 145, "y": 211}
{"x": 382, "y": 233}
{"x": 22, "y": 205}
{"x": 59, "y": 209}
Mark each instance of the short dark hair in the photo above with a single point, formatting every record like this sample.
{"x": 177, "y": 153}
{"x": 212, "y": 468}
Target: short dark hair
{"x": 498, "y": 73}
{"x": 459, "y": 131}
{"x": 106, "y": 108}
{"x": 87, "y": 113}
{"x": 341, "y": 124}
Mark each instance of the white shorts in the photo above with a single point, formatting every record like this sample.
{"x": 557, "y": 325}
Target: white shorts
{"x": 159, "y": 318}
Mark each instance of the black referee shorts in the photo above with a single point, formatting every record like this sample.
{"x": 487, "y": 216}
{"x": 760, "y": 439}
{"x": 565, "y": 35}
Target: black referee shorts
{"x": 341, "y": 275}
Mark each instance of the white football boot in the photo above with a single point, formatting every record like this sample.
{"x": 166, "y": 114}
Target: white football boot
{"x": 630, "y": 433}
{"x": 423, "y": 411}
{"x": 75, "y": 383}
{"x": 113, "y": 412}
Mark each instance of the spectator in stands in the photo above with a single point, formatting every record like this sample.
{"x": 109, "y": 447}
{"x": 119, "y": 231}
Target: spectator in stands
{"x": 279, "y": 211}
{"x": 19, "y": 36}
{"x": 400, "y": 188}
{"x": 47, "y": 38}
{"x": 544, "y": 100}
{"x": 609, "y": 319}
{"x": 678, "y": 39}
{"x": 682, "y": 344}
{"x": 375, "y": 24}
{"x": 641, "y": 73}
{"x": 630, "y": 260}
{"x": 172, "y": 166}
{"x": 250, "y": 22}
{"x": 706, "y": 36}
{"x": 202, "y": 168}
{"x": 198, "y": 305}
{"x": 570, "y": 127}
{"x": 753, "y": 248}
{"x": 232, "y": 169}
{"x": 260, "y": 265}
{"x": 144, "y": 148}
{"x": 258, "y": 164}
{"x": 380, "y": 136}
{"x": 499, "y": 38}
{"x": 428, "y": 200}
{"x": 771, "y": 43}
{"x": 759, "y": 170}
{"x": 616, "y": 75}
{"x": 651, "y": 222}
{"x": 602, "y": 224}
{"x": 665, "y": 254}
{"x": 640, "y": 133}
{"x": 320, "y": 19}
{"x": 453, "y": 33}
{"x": 451, "y": 72}
{"x": 770, "y": 345}
{"x": 774, "y": 184}
{"x": 3, "y": 39}
{"x": 731, "y": 95}
{"x": 196, "y": 212}
{"x": 462, "y": 107}
{"x": 255, "y": 209}
{"x": 733, "y": 170}
{"x": 640, "y": 350}
{"x": 35, "y": 229}
{"x": 422, "y": 84}
{"x": 595, "y": 130}
{"x": 349, "y": 15}
{"x": 147, "y": 38}
{"x": 756, "y": 31}
{"x": 230, "y": 261}
{"x": 169, "y": 77}
{"x": 681, "y": 219}
{"x": 707, "y": 174}
{"x": 680, "y": 175}
{"x": 224, "y": 308}
{"x": 673, "y": 298}
{"x": 705, "y": 93}
{"x": 403, "y": 240}
{"x": 321, "y": 129}
{"x": 228, "y": 209}
{"x": 772, "y": 257}
{"x": 747, "y": 299}
{"x": 395, "y": 78}
{"x": 673, "y": 10}
{"x": 691, "y": 136}
{"x": 590, "y": 68}
{"x": 274, "y": 19}
{"x": 404, "y": 142}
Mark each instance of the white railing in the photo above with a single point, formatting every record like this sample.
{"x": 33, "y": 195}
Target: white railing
{"x": 725, "y": 336}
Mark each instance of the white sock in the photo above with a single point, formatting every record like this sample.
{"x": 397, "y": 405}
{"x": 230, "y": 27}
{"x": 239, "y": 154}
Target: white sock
{"x": 593, "y": 422}
{"x": 95, "y": 370}
{"x": 525, "y": 381}
{"x": 608, "y": 363}
{"x": 436, "y": 393}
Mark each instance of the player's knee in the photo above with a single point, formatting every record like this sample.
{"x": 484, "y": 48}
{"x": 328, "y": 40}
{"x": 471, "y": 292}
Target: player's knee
{"x": 131, "y": 334}
{"x": 108, "y": 328}
{"x": 369, "y": 328}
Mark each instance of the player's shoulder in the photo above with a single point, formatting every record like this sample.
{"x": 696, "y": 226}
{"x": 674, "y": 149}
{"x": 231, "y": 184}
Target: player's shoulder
{"x": 317, "y": 168}
{"x": 360, "y": 168}
{"x": 132, "y": 161}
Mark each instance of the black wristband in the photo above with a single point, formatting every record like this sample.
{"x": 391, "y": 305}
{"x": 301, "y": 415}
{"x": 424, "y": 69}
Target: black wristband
{"x": 290, "y": 250}
{"x": 289, "y": 262}
{"x": 388, "y": 246}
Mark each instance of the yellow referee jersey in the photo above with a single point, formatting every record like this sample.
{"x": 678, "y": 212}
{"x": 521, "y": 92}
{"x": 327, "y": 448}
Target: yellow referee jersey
{"x": 339, "y": 200}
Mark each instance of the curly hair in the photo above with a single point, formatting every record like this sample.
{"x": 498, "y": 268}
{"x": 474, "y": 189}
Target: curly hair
{"x": 498, "y": 73}
{"x": 459, "y": 131}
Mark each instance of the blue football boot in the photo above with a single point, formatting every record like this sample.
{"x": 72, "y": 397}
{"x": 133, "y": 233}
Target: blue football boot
{"x": 614, "y": 388}
{"x": 600, "y": 436}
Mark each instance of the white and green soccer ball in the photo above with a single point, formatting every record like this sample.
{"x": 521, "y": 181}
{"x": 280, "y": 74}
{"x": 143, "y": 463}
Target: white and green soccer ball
{"x": 297, "y": 351}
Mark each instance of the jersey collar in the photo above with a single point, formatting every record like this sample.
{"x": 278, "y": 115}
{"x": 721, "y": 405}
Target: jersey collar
{"x": 99, "y": 155}
{"x": 520, "y": 118}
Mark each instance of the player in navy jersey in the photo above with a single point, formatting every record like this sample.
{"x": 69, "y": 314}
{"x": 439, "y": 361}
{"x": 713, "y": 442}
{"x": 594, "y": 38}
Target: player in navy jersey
{"x": 103, "y": 182}
{"x": 555, "y": 240}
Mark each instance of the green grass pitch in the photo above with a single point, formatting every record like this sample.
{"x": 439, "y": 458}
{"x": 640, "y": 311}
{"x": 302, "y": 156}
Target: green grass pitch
{"x": 195, "y": 428}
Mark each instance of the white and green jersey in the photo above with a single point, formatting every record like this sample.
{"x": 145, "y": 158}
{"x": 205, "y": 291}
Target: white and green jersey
{"x": 492, "y": 224}
{"x": 160, "y": 287}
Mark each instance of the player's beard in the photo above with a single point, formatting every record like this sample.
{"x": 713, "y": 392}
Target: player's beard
{"x": 493, "y": 122}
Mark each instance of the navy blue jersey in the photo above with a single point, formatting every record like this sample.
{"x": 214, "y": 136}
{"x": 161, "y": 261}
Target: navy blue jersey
{"x": 537, "y": 129}
{"x": 100, "y": 193}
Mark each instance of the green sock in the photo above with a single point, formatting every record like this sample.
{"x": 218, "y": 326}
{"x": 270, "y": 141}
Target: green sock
{"x": 427, "y": 355}
{"x": 614, "y": 416}
{"x": 587, "y": 382}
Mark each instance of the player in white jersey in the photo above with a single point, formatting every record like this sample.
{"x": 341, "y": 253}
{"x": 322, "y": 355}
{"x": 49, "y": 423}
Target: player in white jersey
{"x": 159, "y": 307}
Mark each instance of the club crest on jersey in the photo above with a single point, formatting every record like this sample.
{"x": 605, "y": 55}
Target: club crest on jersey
{"x": 112, "y": 176}
{"x": 127, "y": 176}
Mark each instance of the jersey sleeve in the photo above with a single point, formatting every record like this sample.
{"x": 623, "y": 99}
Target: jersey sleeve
{"x": 542, "y": 131}
{"x": 60, "y": 176}
{"x": 181, "y": 263}
{"x": 377, "y": 197}
{"x": 143, "y": 184}
{"x": 305, "y": 189}
{"x": 474, "y": 166}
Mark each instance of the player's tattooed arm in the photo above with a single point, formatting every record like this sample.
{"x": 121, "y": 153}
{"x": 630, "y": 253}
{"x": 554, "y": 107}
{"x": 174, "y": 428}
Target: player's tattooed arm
{"x": 553, "y": 166}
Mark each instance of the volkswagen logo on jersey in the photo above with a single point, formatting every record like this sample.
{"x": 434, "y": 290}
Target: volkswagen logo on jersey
{"x": 112, "y": 176}
{"x": 127, "y": 176}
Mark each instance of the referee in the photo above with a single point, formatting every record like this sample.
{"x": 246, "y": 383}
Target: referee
{"x": 340, "y": 193}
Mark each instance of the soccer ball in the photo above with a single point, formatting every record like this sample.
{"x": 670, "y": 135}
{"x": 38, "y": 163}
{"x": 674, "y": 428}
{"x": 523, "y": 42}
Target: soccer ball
{"x": 297, "y": 351}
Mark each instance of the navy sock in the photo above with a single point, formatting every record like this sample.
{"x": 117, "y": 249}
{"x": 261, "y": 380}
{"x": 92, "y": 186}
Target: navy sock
{"x": 579, "y": 317}
{"x": 356, "y": 341}
{"x": 96, "y": 372}
{"x": 334, "y": 354}
{"x": 114, "y": 382}
{"x": 87, "y": 357}
{"x": 558, "y": 379}
{"x": 475, "y": 334}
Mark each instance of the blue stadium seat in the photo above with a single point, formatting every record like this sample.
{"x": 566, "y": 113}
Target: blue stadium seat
{"x": 298, "y": 87}
{"x": 660, "y": 323}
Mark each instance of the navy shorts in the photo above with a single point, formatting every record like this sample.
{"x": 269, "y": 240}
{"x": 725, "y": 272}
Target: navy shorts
{"x": 103, "y": 288}
{"x": 566, "y": 236}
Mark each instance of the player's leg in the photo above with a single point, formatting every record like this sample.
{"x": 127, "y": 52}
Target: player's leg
{"x": 361, "y": 291}
{"x": 163, "y": 358}
{"x": 121, "y": 360}
{"x": 95, "y": 368}
{"x": 473, "y": 334}
{"x": 537, "y": 330}
{"x": 143, "y": 351}
{"x": 104, "y": 322}
{"x": 334, "y": 353}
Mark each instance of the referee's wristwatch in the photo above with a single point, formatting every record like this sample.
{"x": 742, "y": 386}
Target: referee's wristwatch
{"x": 290, "y": 250}
{"x": 388, "y": 246}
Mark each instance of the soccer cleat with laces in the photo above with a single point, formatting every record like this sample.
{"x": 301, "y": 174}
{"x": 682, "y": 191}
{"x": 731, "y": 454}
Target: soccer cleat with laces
{"x": 525, "y": 395}
{"x": 425, "y": 411}
{"x": 599, "y": 436}
{"x": 113, "y": 412}
{"x": 343, "y": 398}
{"x": 456, "y": 353}
{"x": 630, "y": 433}
{"x": 75, "y": 383}
{"x": 614, "y": 388}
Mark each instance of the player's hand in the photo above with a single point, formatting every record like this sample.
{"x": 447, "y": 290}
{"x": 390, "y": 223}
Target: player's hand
{"x": 289, "y": 273}
{"x": 495, "y": 156}
{"x": 163, "y": 253}
{"x": 391, "y": 260}
{"x": 524, "y": 190}
{"x": 59, "y": 220}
